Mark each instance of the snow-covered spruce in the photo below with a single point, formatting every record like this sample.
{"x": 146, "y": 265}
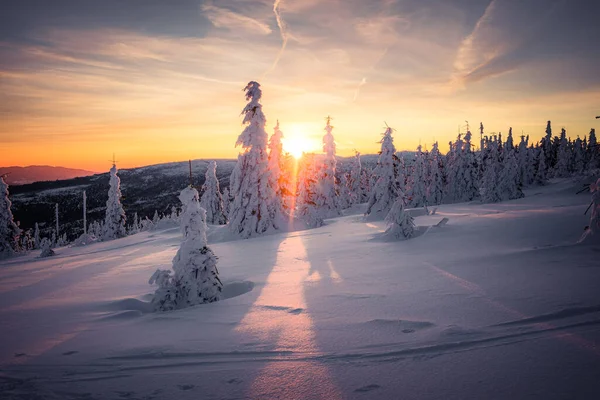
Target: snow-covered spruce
{"x": 9, "y": 231}
{"x": 195, "y": 279}
{"x": 510, "y": 181}
{"x": 417, "y": 187}
{"x": 279, "y": 177}
{"x": 254, "y": 210}
{"x": 400, "y": 225}
{"x": 211, "y": 200}
{"x": 114, "y": 221}
{"x": 385, "y": 189}
{"x": 435, "y": 182}
{"x": 307, "y": 208}
{"x": 327, "y": 192}
{"x": 355, "y": 187}
{"x": 47, "y": 251}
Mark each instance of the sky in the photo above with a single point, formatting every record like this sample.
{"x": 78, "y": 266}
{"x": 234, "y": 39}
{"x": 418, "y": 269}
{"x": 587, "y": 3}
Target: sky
{"x": 156, "y": 81}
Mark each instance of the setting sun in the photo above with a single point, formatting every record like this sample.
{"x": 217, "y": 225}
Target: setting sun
{"x": 296, "y": 141}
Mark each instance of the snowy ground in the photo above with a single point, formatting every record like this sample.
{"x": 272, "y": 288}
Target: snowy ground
{"x": 499, "y": 303}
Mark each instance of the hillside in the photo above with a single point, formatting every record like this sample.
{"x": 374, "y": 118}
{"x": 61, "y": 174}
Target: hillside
{"x": 37, "y": 173}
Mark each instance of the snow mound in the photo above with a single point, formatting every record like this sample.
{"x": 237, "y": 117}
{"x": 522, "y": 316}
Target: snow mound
{"x": 128, "y": 304}
{"x": 406, "y": 326}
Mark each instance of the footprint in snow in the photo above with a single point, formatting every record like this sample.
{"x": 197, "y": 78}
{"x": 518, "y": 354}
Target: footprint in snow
{"x": 367, "y": 388}
{"x": 185, "y": 387}
{"x": 235, "y": 380}
{"x": 70, "y": 353}
{"x": 20, "y": 354}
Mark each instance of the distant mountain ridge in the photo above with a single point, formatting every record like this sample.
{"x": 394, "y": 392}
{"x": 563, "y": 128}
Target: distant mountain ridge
{"x": 37, "y": 173}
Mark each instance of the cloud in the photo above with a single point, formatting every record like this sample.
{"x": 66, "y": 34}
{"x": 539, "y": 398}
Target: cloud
{"x": 224, "y": 18}
{"x": 283, "y": 31}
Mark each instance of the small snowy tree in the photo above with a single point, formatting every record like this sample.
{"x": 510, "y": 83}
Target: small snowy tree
{"x": 385, "y": 190}
{"x": 356, "y": 192}
{"x": 226, "y": 201}
{"x": 489, "y": 188}
{"x": 278, "y": 178}
{"x": 540, "y": 172}
{"x": 9, "y": 231}
{"x": 135, "y": 227}
{"x": 435, "y": 184}
{"x": 211, "y": 199}
{"x": 307, "y": 208}
{"x": 47, "y": 251}
{"x": 400, "y": 224}
{"x": 114, "y": 221}
{"x": 253, "y": 210}
{"x": 327, "y": 192}
{"x": 561, "y": 169}
{"x": 417, "y": 190}
{"x": 195, "y": 279}
{"x": 36, "y": 237}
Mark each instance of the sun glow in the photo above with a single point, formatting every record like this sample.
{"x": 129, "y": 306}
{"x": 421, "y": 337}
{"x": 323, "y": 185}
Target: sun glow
{"x": 296, "y": 142}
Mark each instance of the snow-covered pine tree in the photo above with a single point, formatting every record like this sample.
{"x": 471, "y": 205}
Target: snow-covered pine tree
{"x": 578, "y": 157}
{"x": 470, "y": 171}
{"x": 253, "y": 210}
{"x": 385, "y": 189}
{"x": 489, "y": 184}
{"x": 114, "y": 221}
{"x": 435, "y": 185}
{"x": 593, "y": 151}
{"x": 196, "y": 278}
{"x": 540, "y": 168}
{"x": 327, "y": 192}
{"x": 561, "y": 169}
{"x": 546, "y": 144}
{"x": 357, "y": 194}
{"x": 226, "y": 201}
{"x": 400, "y": 225}
{"x": 278, "y": 178}
{"x": 509, "y": 145}
{"x": 211, "y": 199}
{"x": 417, "y": 192}
{"x": 46, "y": 247}
{"x": 9, "y": 231}
{"x": 135, "y": 227}
{"x": 510, "y": 181}
{"x": 344, "y": 192}
{"x": 306, "y": 205}
{"x": 36, "y": 237}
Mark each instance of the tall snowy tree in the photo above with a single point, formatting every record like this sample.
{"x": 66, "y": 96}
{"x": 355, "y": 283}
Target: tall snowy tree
{"x": 226, "y": 201}
{"x": 385, "y": 189}
{"x": 435, "y": 184}
{"x": 254, "y": 209}
{"x": 196, "y": 278}
{"x": 36, "y": 237}
{"x": 540, "y": 169}
{"x": 489, "y": 187}
{"x": 561, "y": 169}
{"x": 509, "y": 180}
{"x": 211, "y": 200}
{"x": 279, "y": 178}
{"x": 9, "y": 231}
{"x": 327, "y": 193}
{"x": 417, "y": 193}
{"x": 357, "y": 194}
{"x": 578, "y": 157}
{"x": 307, "y": 208}
{"x": 114, "y": 221}
{"x": 593, "y": 151}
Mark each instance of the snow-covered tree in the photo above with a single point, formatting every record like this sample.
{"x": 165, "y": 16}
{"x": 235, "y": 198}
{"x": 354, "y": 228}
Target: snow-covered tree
{"x": 47, "y": 251}
{"x": 509, "y": 145}
{"x": 36, "y": 237}
{"x": 578, "y": 157}
{"x": 510, "y": 182}
{"x": 279, "y": 177}
{"x": 9, "y": 231}
{"x": 541, "y": 170}
{"x": 226, "y": 201}
{"x": 254, "y": 210}
{"x": 211, "y": 199}
{"x": 327, "y": 192}
{"x": 385, "y": 189}
{"x": 417, "y": 193}
{"x": 195, "y": 279}
{"x": 135, "y": 227}
{"x": 563, "y": 160}
{"x": 489, "y": 188}
{"x": 306, "y": 205}
{"x": 435, "y": 183}
{"x": 356, "y": 192}
{"x": 114, "y": 221}
{"x": 400, "y": 225}
{"x": 593, "y": 151}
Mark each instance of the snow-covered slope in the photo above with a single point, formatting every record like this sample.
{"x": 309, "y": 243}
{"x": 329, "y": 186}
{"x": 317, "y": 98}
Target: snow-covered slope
{"x": 500, "y": 302}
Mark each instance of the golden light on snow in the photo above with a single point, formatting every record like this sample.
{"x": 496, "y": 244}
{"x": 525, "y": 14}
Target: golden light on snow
{"x": 280, "y": 314}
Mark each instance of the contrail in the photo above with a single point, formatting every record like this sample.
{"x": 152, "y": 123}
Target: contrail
{"x": 361, "y": 84}
{"x": 283, "y": 32}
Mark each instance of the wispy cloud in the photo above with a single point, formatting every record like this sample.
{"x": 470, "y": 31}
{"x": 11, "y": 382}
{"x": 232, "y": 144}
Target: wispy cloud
{"x": 224, "y": 18}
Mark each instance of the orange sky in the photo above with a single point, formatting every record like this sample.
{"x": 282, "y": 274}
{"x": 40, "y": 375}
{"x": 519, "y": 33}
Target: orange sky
{"x": 166, "y": 84}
